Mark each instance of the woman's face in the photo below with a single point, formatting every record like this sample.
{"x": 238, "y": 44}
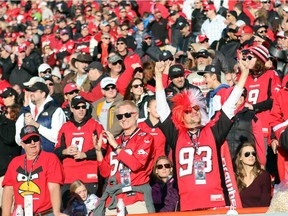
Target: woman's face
{"x": 137, "y": 88}
{"x": 251, "y": 61}
{"x": 248, "y": 156}
{"x": 9, "y": 101}
{"x": 82, "y": 192}
{"x": 163, "y": 168}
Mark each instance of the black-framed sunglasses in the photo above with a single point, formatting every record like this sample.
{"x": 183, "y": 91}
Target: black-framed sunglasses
{"x": 80, "y": 107}
{"x": 47, "y": 71}
{"x": 161, "y": 166}
{"x": 107, "y": 88}
{"x": 138, "y": 85}
{"x": 30, "y": 139}
{"x": 118, "y": 62}
{"x": 73, "y": 92}
{"x": 126, "y": 115}
{"x": 263, "y": 31}
{"x": 247, "y": 154}
{"x": 50, "y": 84}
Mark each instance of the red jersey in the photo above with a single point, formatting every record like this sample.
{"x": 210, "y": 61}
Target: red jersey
{"x": 47, "y": 168}
{"x": 137, "y": 156}
{"x": 159, "y": 138}
{"x": 70, "y": 134}
{"x": 261, "y": 89}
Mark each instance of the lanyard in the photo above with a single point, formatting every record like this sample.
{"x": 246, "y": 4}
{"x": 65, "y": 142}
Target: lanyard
{"x": 195, "y": 139}
{"x": 31, "y": 169}
{"x": 124, "y": 142}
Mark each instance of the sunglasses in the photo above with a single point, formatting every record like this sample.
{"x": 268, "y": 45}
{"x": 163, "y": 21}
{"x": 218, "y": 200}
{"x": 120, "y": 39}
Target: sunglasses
{"x": 138, "y": 85}
{"x": 125, "y": 29}
{"x": 50, "y": 84}
{"x": 78, "y": 107}
{"x": 189, "y": 110}
{"x": 161, "y": 166}
{"x": 118, "y": 62}
{"x": 88, "y": 10}
{"x": 109, "y": 88}
{"x": 247, "y": 154}
{"x": 120, "y": 43}
{"x": 46, "y": 71}
{"x": 263, "y": 31}
{"x": 266, "y": 2}
{"x": 106, "y": 38}
{"x": 126, "y": 115}
{"x": 148, "y": 38}
{"x": 30, "y": 139}
{"x": 73, "y": 92}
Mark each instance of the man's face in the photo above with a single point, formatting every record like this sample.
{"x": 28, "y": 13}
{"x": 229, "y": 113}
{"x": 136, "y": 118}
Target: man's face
{"x": 84, "y": 32}
{"x": 184, "y": 31}
{"x": 178, "y": 81}
{"x": 121, "y": 46}
{"x": 50, "y": 86}
{"x": 158, "y": 15}
{"x": 244, "y": 37}
{"x": 64, "y": 37}
{"x": 262, "y": 32}
{"x": 31, "y": 145}
{"x": 116, "y": 66}
{"x": 81, "y": 66}
{"x": 124, "y": 30}
{"x": 192, "y": 117}
{"x": 202, "y": 62}
{"x": 109, "y": 91}
{"x": 197, "y": 4}
{"x": 79, "y": 112}
{"x": 37, "y": 96}
{"x": 209, "y": 79}
{"x": 266, "y": 4}
{"x": 128, "y": 123}
{"x": 70, "y": 95}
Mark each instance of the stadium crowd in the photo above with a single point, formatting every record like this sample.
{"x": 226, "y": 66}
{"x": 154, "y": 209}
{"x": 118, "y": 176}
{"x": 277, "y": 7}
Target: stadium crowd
{"x": 170, "y": 105}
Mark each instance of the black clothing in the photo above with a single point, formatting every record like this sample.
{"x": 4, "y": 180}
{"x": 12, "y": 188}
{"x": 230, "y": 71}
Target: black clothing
{"x": 197, "y": 19}
{"x": 7, "y": 66}
{"x": 242, "y": 16}
{"x": 172, "y": 90}
{"x": 159, "y": 29}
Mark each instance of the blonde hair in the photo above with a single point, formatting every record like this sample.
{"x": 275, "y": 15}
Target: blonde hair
{"x": 75, "y": 185}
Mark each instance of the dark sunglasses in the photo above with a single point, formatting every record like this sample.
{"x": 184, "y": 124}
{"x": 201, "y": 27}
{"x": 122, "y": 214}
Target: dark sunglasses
{"x": 73, "y": 92}
{"x": 30, "y": 139}
{"x": 247, "y": 154}
{"x": 78, "y": 107}
{"x": 126, "y": 115}
{"x": 118, "y": 62}
{"x": 46, "y": 71}
{"x": 148, "y": 38}
{"x": 161, "y": 166}
{"x": 109, "y": 87}
{"x": 137, "y": 85}
{"x": 263, "y": 31}
{"x": 120, "y": 43}
{"x": 189, "y": 110}
{"x": 266, "y": 2}
{"x": 106, "y": 38}
{"x": 248, "y": 57}
{"x": 50, "y": 84}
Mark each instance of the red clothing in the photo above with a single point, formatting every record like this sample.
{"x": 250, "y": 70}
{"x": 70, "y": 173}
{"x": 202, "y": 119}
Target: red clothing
{"x": 83, "y": 44}
{"x": 70, "y": 134}
{"x": 47, "y": 168}
{"x": 258, "y": 90}
{"x": 159, "y": 138}
{"x": 278, "y": 123}
{"x": 67, "y": 46}
{"x": 137, "y": 156}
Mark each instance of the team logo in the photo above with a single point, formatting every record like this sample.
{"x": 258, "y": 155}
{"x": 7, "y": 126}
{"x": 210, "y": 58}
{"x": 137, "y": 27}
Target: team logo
{"x": 141, "y": 152}
{"x": 142, "y": 134}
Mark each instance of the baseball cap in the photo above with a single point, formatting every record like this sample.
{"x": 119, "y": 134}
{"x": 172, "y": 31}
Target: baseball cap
{"x": 210, "y": 7}
{"x": 48, "y": 77}
{"x": 257, "y": 27}
{"x": 104, "y": 23}
{"x": 95, "y": 65}
{"x": 209, "y": 69}
{"x": 21, "y": 48}
{"x": 233, "y": 13}
{"x": 165, "y": 55}
{"x": 201, "y": 37}
{"x": 8, "y": 92}
{"x": 107, "y": 81}
{"x": 38, "y": 86}
{"x": 122, "y": 39}
{"x": 63, "y": 32}
{"x": 176, "y": 70}
{"x": 202, "y": 53}
{"x": 69, "y": 88}
{"x": 43, "y": 67}
{"x": 28, "y": 131}
{"x": 114, "y": 58}
{"x": 172, "y": 12}
{"x": 182, "y": 24}
{"x": 33, "y": 80}
{"x": 76, "y": 100}
{"x": 244, "y": 30}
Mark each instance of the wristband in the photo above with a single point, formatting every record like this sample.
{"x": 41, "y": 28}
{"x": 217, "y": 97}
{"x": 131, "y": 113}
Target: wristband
{"x": 117, "y": 147}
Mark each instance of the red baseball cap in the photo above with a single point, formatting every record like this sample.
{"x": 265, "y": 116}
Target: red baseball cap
{"x": 210, "y": 7}
{"x": 245, "y": 30}
{"x": 70, "y": 87}
{"x": 201, "y": 37}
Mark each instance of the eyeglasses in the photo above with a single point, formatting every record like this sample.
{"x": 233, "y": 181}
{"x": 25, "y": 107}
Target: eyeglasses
{"x": 126, "y": 115}
{"x": 161, "y": 166}
{"x": 266, "y": 2}
{"x": 248, "y": 58}
{"x": 261, "y": 32}
{"x": 138, "y": 85}
{"x": 107, "y": 88}
{"x": 148, "y": 38}
{"x": 126, "y": 29}
{"x": 50, "y": 84}
{"x": 118, "y": 62}
{"x": 73, "y": 92}
{"x": 106, "y": 38}
{"x": 120, "y": 43}
{"x": 30, "y": 139}
{"x": 78, "y": 107}
{"x": 247, "y": 154}
{"x": 189, "y": 110}
{"x": 46, "y": 71}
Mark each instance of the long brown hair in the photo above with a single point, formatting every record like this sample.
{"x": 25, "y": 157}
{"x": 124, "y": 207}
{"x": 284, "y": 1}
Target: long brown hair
{"x": 156, "y": 162}
{"x": 259, "y": 67}
{"x": 239, "y": 168}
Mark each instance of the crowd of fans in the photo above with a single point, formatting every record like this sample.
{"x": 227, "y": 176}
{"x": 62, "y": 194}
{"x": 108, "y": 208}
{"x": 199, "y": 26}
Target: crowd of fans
{"x": 134, "y": 95}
